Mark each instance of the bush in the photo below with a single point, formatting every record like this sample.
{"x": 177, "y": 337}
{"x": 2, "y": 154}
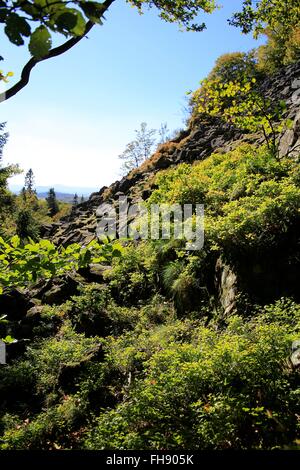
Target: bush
{"x": 251, "y": 199}
{"x": 38, "y": 391}
{"x": 281, "y": 25}
{"x": 285, "y": 312}
{"x": 133, "y": 275}
{"x": 94, "y": 312}
{"x": 51, "y": 430}
{"x": 26, "y": 225}
{"x": 51, "y": 356}
{"x": 275, "y": 53}
{"x": 212, "y": 392}
{"x": 235, "y": 66}
{"x": 182, "y": 280}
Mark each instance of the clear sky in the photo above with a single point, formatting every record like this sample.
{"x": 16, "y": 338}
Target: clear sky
{"x": 80, "y": 109}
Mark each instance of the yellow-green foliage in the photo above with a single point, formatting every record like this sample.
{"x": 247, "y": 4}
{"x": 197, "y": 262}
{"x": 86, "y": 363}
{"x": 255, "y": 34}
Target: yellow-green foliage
{"x": 240, "y": 103}
{"x": 234, "y": 101}
{"x": 67, "y": 349}
{"x": 229, "y": 92}
{"x": 165, "y": 383}
{"x": 196, "y": 387}
{"x": 41, "y": 372}
{"x": 277, "y": 53}
{"x": 232, "y": 93}
{"x": 22, "y": 264}
{"x": 24, "y": 214}
{"x": 234, "y": 66}
{"x": 279, "y": 21}
{"x": 280, "y": 17}
{"x": 132, "y": 277}
{"x": 250, "y": 197}
{"x": 64, "y": 210}
{"x": 47, "y": 430}
{"x": 96, "y": 311}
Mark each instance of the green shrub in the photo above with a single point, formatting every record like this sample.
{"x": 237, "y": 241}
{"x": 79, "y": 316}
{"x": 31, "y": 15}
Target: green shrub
{"x": 133, "y": 275}
{"x": 213, "y": 392}
{"x": 251, "y": 199}
{"x": 48, "y": 322}
{"x": 234, "y": 66}
{"x": 285, "y": 312}
{"x": 94, "y": 312}
{"x": 275, "y": 53}
{"x": 50, "y": 430}
{"x": 182, "y": 280}
{"x": 128, "y": 353}
{"x": 17, "y": 384}
{"x": 37, "y": 391}
{"x": 51, "y": 356}
{"x": 26, "y": 225}
{"x": 280, "y": 23}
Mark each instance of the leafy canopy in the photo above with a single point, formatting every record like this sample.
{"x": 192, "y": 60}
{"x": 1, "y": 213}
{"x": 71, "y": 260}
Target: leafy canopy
{"x": 179, "y": 11}
{"x": 277, "y": 15}
{"x": 279, "y": 21}
{"x": 67, "y": 18}
{"x": 36, "y": 20}
{"x": 70, "y": 18}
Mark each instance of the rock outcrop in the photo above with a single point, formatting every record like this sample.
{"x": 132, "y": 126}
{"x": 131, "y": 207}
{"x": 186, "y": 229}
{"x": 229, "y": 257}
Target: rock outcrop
{"x": 199, "y": 141}
{"x": 226, "y": 285}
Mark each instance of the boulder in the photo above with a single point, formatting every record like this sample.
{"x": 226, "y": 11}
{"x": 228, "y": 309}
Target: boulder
{"x": 34, "y": 313}
{"x": 95, "y": 273}
{"x": 226, "y": 285}
{"x": 295, "y": 356}
{"x": 14, "y": 303}
{"x": 58, "y": 289}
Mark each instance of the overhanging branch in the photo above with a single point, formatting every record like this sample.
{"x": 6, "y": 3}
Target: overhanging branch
{"x": 56, "y": 51}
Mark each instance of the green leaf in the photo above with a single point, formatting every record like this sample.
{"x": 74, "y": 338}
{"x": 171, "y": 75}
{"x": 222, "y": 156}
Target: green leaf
{"x": 32, "y": 248}
{"x": 67, "y": 21}
{"x": 70, "y": 21}
{"x": 40, "y": 42}
{"x": 9, "y": 340}
{"x": 15, "y": 241}
{"x": 15, "y": 28}
{"x": 93, "y": 11}
{"x": 79, "y": 29}
{"x": 46, "y": 244}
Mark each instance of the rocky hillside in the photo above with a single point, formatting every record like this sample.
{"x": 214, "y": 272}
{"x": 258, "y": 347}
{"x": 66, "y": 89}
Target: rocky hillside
{"x": 147, "y": 345}
{"x": 199, "y": 141}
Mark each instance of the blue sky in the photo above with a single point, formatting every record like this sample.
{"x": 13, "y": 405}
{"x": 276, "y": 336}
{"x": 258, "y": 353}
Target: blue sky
{"x": 79, "y": 110}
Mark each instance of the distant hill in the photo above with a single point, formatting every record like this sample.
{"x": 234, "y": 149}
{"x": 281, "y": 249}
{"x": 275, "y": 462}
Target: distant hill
{"x": 63, "y": 193}
{"x": 63, "y": 197}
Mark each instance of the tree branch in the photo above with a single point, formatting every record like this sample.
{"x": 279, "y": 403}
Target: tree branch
{"x": 56, "y": 51}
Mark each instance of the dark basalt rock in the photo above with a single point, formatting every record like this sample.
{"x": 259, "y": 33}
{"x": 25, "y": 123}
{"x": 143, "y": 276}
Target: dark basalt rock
{"x": 14, "y": 303}
{"x": 295, "y": 356}
{"x": 94, "y": 273}
{"x": 58, "y": 289}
